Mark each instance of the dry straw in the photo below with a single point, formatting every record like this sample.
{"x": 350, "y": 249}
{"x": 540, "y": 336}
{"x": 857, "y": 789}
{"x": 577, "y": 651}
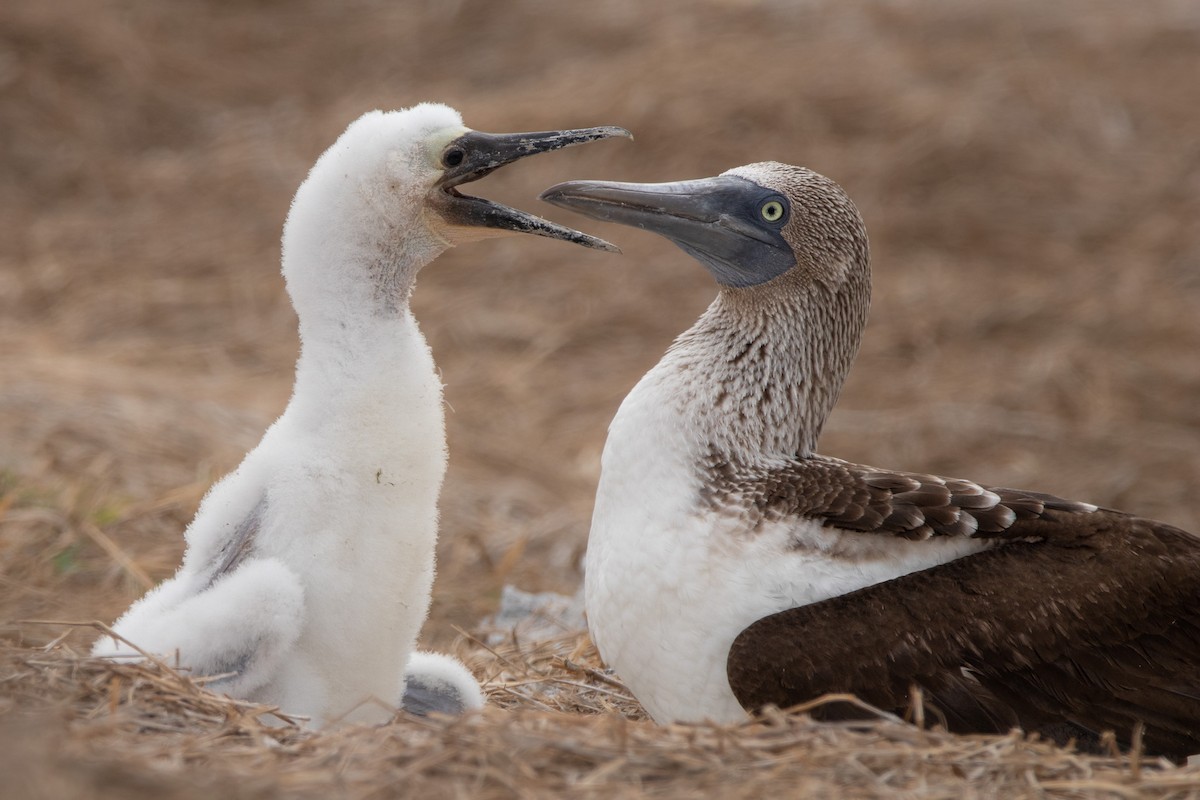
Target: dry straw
{"x": 557, "y": 724}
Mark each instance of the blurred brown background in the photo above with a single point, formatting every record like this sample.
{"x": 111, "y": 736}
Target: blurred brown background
{"x": 1029, "y": 172}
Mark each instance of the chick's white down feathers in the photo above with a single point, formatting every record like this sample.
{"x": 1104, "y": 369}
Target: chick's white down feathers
{"x": 308, "y": 569}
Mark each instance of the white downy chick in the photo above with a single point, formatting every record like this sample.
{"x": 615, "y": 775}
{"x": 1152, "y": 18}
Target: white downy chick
{"x": 308, "y": 569}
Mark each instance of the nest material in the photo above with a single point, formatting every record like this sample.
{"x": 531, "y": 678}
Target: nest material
{"x": 556, "y": 724}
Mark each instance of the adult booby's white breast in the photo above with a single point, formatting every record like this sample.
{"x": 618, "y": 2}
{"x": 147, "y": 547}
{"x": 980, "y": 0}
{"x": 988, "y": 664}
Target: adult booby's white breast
{"x": 730, "y": 566}
{"x": 308, "y": 570}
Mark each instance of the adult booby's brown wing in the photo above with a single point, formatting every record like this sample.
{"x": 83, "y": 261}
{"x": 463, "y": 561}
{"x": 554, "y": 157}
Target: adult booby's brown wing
{"x": 853, "y": 497}
{"x": 1082, "y": 622}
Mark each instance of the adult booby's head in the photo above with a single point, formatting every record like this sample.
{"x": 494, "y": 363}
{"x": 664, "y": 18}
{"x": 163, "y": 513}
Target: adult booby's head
{"x": 385, "y": 200}
{"x": 789, "y": 249}
{"x": 747, "y": 226}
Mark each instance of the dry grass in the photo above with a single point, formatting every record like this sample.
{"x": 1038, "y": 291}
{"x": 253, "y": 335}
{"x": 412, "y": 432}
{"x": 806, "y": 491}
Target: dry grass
{"x": 148, "y": 730}
{"x": 1030, "y": 173}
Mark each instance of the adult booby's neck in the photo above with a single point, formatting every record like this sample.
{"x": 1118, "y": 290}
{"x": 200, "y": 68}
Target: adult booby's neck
{"x": 762, "y": 368}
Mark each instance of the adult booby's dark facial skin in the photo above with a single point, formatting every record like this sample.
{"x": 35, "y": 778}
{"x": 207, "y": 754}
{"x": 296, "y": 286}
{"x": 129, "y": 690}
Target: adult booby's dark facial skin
{"x": 730, "y": 224}
{"x": 476, "y": 154}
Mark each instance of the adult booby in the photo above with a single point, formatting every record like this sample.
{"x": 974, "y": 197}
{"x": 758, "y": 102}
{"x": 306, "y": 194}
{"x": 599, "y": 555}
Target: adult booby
{"x": 308, "y": 569}
{"x": 730, "y": 566}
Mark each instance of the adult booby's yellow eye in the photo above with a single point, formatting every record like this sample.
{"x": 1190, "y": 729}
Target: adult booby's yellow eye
{"x": 772, "y": 211}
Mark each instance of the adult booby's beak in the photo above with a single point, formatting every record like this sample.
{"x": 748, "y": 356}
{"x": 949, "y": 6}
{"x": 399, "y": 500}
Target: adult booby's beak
{"x": 476, "y": 154}
{"x": 714, "y": 220}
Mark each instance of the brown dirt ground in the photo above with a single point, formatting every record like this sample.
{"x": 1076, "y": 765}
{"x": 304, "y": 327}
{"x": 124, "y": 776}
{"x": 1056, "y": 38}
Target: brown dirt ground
{"x": 1030, "y": 174}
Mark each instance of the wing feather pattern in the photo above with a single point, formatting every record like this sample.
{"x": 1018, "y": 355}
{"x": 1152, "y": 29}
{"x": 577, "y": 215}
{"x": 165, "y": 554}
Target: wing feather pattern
{"x": 240, "y": 544}
{"x": 858, "y": 498}
{"x": 1085, "y": 622}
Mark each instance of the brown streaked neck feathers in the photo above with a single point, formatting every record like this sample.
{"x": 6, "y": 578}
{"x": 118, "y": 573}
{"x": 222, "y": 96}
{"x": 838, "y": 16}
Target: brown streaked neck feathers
{"x": 778, "y": 353}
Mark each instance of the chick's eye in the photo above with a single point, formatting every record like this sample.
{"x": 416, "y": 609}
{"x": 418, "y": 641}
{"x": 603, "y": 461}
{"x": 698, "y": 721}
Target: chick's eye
{"x": 771, "y": 211}
{"x": 453, "y": 157}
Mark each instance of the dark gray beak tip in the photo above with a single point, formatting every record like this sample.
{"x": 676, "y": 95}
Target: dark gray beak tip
{"x": 581, "y": 135}
{"x": 553, "y": 140}
{"x": 593, "y": 242}
{"x": 558, "y": 194}
{"x": 550, "y": 195}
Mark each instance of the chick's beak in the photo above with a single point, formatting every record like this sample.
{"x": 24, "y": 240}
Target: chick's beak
{"x": 476, "y": 154}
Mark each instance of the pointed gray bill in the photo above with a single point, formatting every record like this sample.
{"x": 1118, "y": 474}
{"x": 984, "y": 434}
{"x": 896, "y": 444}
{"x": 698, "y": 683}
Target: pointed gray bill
{"x": 476, "y": 154}
{"x": 714, "y": 220}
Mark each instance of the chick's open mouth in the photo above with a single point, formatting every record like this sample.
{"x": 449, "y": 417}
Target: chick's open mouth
{"x": 475, "y": 155}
